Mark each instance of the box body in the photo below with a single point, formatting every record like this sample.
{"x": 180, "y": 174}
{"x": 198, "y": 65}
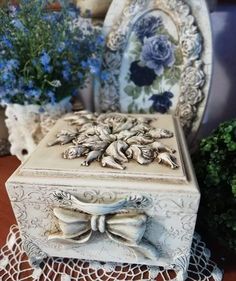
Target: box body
{"x": 121, "y": 201}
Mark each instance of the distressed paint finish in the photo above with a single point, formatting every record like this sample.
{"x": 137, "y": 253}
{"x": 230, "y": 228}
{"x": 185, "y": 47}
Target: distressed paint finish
{"x": 164, "y": 203}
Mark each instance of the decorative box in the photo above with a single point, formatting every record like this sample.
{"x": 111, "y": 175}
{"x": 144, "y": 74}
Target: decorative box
{"x": 111, "y": 187}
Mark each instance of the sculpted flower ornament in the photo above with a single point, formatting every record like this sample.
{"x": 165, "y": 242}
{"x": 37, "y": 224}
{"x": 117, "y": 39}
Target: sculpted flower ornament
{"x": 114, "y": 139}
{"x": 116, "y": 41}
{"x": 193, "y": 76}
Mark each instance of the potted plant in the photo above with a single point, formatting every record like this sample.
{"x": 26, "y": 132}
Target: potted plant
{"x": 215, "y": 166}
{"x": 45, "y": 57}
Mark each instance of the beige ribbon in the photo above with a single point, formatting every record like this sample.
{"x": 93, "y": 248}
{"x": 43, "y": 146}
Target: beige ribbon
{"x": 124, "y": 228}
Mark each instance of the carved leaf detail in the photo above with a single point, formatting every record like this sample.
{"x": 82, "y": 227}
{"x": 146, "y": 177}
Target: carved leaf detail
{"x": 115, "y": 139}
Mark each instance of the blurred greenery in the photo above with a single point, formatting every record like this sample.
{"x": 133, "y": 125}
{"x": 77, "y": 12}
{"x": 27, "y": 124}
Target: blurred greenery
{"x": 215, "y": 167}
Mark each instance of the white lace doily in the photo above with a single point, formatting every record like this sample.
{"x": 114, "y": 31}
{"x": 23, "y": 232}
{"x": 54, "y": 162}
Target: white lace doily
{"x": 14, "y": 266}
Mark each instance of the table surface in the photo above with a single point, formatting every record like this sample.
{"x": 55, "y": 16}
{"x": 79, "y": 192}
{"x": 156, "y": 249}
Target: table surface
{"x": 7, "y": 167}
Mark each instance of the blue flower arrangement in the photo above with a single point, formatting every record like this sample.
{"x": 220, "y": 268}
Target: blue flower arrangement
{"x": 45, "y": 56}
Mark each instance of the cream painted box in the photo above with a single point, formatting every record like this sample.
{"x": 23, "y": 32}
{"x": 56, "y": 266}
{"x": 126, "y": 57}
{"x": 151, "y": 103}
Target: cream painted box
{"x": 130, "y": 213}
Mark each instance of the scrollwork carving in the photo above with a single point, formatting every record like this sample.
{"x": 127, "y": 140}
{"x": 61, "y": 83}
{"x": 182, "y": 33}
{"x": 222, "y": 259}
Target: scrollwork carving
{"x": 35, "y": 254}
{"x": 95, "y": 196}
{"x": 130, "y": 202}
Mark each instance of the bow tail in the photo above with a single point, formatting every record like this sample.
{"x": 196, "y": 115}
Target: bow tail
{"x": 143, "y": 249}
{"x": 78, "y": 239}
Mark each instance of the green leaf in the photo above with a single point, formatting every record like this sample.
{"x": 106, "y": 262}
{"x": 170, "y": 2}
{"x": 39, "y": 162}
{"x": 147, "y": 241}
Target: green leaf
{"x": 151, "y": 110}
{"x": 178, "y": 57}
{"x": 141, "y": 111}
{"x": 130, "y": 108}
{"x": 172, "y": 75}
{"x": 147, "y": 90}
{"x": 136, "y": 94}
{"x": 129, "y": 90}
{"x": 156, "y": 84}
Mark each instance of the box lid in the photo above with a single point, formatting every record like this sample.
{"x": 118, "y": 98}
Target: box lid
{"x": 47, "y": 164}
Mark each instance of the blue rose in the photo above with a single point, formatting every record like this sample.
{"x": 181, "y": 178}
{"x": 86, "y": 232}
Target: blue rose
{"x": 147, "y": 27}
{"x": 141, "y": 75}
{"x": 158, "y": 53}
{"x": 162, "y": 102}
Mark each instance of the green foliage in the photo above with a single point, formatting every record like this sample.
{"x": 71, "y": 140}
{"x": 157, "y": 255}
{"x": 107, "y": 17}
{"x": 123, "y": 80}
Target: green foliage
{"x": 133, "y": 92}
{"x": 215, "y": 166}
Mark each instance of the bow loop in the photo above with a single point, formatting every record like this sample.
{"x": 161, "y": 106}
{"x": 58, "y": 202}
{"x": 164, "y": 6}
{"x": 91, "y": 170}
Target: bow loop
{"x": 127, "y": 227}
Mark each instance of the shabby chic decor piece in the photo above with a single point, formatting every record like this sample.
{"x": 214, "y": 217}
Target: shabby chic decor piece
{"x": 115, "y": 138}
{"x": 159, "y": 56}
{"x": 14, "y": 262}
{"x": 27, "y": 125}
{"x": 144, "y": 213}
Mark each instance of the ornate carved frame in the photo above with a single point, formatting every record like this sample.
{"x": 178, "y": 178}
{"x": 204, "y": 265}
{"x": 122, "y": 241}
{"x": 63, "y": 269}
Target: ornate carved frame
{"x": 195, "y": 77}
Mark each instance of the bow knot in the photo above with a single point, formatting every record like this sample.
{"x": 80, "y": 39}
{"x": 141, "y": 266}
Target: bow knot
{"x": 123, "y": 228}
{"x": 77, "y": 226}
{"x": 98, "y": 223}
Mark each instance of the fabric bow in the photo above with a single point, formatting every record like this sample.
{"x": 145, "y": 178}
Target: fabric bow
{"x": 123, "y": 228}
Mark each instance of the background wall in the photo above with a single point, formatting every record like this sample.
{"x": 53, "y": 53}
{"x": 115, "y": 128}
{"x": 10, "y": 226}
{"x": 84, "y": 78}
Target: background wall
{"x": 222, "y": 101}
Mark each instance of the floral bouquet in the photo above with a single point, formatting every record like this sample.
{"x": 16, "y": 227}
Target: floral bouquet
{"x": 45, "y": 57}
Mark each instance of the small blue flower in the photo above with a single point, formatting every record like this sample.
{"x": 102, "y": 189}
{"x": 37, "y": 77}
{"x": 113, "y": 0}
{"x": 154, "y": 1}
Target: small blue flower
{"x": 7, "y": 42}
{"x": 7, "y": 76}
{"x": 147, "y": 27}
{"x": 45, "y": 59}
{"x": 35, "y": 93}
{"x": 52, "y": 97}
{"x": 18, "y": 24}
{"x": 158, "y": 53}
{"x": 75, "y": 92}
{"x": 100, "y": 40}
{"x": 12, "y": 64}
{"x": 105, "y": 76}
{"x": 66, "y": 63}
{"x": 80, "y": 75}
{"x": 30, "y": 84}
{"x": 66, "y": 74}
{"x": 162, "y": 102}
{"x": 84, "y": 64}
{"x": 2, "y": 64}
{"x": 94, "y": 65}
{"x": 48, "y": 68}
{"x": 61, "y": 47}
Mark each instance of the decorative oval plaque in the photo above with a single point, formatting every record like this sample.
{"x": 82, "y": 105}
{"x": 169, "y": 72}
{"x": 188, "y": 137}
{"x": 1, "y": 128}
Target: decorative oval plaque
{"x": 157, "y": 59}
